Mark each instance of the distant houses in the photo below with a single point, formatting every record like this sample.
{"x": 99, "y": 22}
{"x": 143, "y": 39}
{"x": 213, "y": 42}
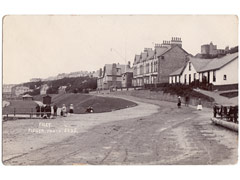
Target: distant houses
{"x": 35, "y": 80}
{"x": 220, "y": 72}
{"x": 71, "y": 75}
{"x": 62, "y": 89}
{"x": 112, "y": 75}
{"x": 14, "y": 90}
{"x": 153, "y": 66}
{"x": 20, "y": 90}
{"x": 7, "y": 90}
{"x": 44, "y": 89}
{"x": 127, "y": 77}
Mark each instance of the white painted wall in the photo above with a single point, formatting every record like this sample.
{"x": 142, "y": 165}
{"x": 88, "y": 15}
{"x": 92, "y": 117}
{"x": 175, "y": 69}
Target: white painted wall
{"x": 187, "y": 72}
{"x": 231, "y": 70}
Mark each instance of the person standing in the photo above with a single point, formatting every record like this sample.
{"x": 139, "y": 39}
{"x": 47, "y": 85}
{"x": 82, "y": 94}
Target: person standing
{"x": 199, "y": 106}
{"x": 64, "y": 110}
{"x": 187, "y": 100}
{"x": 38, "y": 110}
{"x": 48, "y": 110}
{"x": 55, "y": 110}
{"x": 71, "y": 109}
{"x": 215, "y": 110}
{"x": 179, "y": 102}
{"x": 42, "y": 109}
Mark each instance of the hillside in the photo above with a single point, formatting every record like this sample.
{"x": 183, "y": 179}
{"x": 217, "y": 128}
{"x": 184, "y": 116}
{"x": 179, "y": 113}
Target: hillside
{"x": 79, "y": 101}
{"x": 74, "y": 84}
{"x": 99, "y": 104}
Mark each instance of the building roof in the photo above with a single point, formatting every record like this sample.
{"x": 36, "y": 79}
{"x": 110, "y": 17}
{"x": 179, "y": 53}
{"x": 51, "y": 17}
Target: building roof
{"x": 160, "y": 50}
{"x": 137, "y": 58}
{"x": 218, "y": 63}
{"x": 108, "y": 68}
{"x": 202, "y": 65}
{"x": 150, "y": 54}
{"x": 143, "y": 56}
{"x": 178, "y": 71}
{"x": 27, "y": 96}
{"x": 199, "y": 63}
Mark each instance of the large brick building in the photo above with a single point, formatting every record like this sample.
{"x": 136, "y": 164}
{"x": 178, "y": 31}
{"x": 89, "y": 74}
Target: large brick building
{"x": 153, "y": 66}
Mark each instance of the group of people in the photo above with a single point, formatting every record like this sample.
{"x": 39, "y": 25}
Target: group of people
{"x": 46, "y": 111}
{"x": 228, "y": 112}
{"x": 89, "y": 109}
{"x": 64, "y": 110}
{"x": 187, "y": 99}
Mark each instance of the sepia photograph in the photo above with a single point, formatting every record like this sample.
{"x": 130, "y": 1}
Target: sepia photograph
{"x": 119, "y": 90}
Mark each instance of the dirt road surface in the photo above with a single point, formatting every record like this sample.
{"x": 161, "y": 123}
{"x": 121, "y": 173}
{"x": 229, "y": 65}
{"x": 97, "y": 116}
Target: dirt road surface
{"x": 154, "y": 132}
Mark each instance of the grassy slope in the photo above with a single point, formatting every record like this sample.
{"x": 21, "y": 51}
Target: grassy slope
{"x": 79, "y": 101}
{"x": 230, "y": 94}
{"x": 99, "y": 104}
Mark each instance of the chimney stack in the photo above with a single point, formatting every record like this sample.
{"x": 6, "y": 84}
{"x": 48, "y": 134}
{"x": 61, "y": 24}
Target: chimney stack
{"x": 176, "y": 41}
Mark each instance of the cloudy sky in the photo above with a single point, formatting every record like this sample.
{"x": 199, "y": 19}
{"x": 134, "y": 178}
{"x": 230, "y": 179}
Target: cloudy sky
{"x": 43, "y": 46}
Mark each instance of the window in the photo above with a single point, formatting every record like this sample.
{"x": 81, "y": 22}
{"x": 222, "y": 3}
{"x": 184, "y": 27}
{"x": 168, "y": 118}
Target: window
{"x": 151, "y": 67}
{"x": 189, "y": 79}
{"x": 224, "y": 77}
{"x": 194, "y": 76}
{"x": 155, "y": 66}
{"x": 175, "y": 79}
{"x": 214, "y": 76}
{"x": 185, "y": 79}
{"x": 147, "y": 68}
{"x": 162, "y": 57}
{"x": 190, "y": 66}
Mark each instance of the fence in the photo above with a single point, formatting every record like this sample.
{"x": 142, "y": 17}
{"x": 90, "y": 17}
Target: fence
{"x": 11, "y": 113}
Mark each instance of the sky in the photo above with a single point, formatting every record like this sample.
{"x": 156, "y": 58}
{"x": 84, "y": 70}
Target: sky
{"x": 43, "y": 46}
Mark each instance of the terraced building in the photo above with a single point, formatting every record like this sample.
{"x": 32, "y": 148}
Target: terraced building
{"x": 153, "y": 66}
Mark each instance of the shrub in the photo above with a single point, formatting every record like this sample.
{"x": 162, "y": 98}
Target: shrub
{"x": 185, "y": 90}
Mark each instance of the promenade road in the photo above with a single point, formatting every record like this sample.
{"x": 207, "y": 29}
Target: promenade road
{"x": 154, "y": 132}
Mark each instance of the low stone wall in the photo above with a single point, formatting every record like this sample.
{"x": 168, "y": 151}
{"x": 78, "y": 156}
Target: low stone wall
{"x": 225, "y": 124}
{"x": 163, "y": 97}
